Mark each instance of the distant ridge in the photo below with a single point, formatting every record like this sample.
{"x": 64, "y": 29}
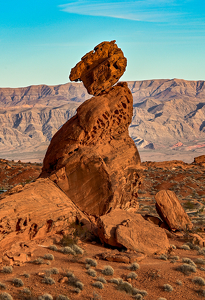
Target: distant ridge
{"x": 166, "y": 112}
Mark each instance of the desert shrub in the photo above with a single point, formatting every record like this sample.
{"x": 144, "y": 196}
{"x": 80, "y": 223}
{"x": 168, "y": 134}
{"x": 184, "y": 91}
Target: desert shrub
{"x": 48, "y": 280}
{"x": 17, "y": 282}
{"x": 141, "y": 292}
{"x": 191, "y": 246}
{"x": 77, "y": 249}
{"x": 67, "y": 250}
{"x": 132, "y": 275}
{"x": 54, "y": 271}
{"x": 108, "y": 270}
{"x": 98, "y": 284}
{"x": 91, "y": 262}
{"x": 79, "y": 285}
{"x": 96, "y": 296}
{"x": 167, "y": 287}
{"x": 76, "y": 290}
{"x": 138, "y": 297}
{"x": 38, "y": 261}
{"x": 45, "y": 297}
{"x": 200, "y": 261}
{"x": 101, "y": 279}
{"x": 173, "y": 246}
{"x": 174, "y": 257}
{"x": 5, "y": 296}
{"x": 163, "y": 257}
{"x": 186, "y": 269}
{"x": 62, "y": 297}
{"x": 87, "y": 266}
{"x": 2, "y": 286}
{"x": 185, "y": 247}
{"x": 201, "y": 251}
{"x": 53, "y": 247}
{"x": 26, "y": 275}
{"x": 91, "y": 272}
{"x": 134, "y": 267}
{"x": 179, "y": 282}
{"x": 198, "y": 280}
{"x": 196, "y": 247}
{"x": 70, "y": 274}
{"x": 125, "y": 286}
{"x": 49, "y": 256}
{"x": 7, "y": 269}
{"x": 188, "y": 261}
{"x": 114, "y": 280}
{"x": 26, "y": 291}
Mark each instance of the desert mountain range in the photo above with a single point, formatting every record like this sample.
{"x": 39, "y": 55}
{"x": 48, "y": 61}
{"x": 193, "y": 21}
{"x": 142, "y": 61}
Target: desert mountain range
{"x": 168, "y": 118}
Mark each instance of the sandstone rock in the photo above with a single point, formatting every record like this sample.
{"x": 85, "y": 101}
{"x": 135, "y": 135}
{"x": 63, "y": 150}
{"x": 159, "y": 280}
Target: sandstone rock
{"x": 171, "y": 211}
{"x": 40, "y": 209}
{"x": 121, "y": 228}
{"x": 200, "y": 160}
{"x": 126, "y": 258}
{"x": 100, "y": 68}
{"x": 197, "y": 239}
{"x": 93, "y": 159}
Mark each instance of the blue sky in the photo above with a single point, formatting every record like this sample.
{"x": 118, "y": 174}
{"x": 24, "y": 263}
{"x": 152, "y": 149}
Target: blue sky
{"x": 40, "y": 41}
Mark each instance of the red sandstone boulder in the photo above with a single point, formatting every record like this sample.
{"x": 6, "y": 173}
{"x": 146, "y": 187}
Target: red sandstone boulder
{"x": 171, "y": 211}
{"x": 92, "y": 157}
{"x": 40, "y": 209}
{"x": 100, "y": 68}
{"x": 121, "y": 228}
{"x": 200, "y": 160}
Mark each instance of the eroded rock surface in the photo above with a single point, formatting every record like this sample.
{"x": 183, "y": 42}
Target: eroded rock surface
{"x": 92, "y": 157}
{"x": 38, "y": 210}
{"x": 171, "y": 211}
{"x": 121, "y": 228}
{"x": 100, "y": 68}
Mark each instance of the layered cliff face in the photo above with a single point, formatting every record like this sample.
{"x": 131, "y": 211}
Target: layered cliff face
{"x": 165, "y": 112}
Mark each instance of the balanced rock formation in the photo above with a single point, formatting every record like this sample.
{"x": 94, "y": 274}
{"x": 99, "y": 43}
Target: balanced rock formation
{"x": 171, "y": 211}
{"x": 122, "y": 228}
{"x": 100, "y": 68}
{"x": 93, "y": 159}
{"x": 35, "y": 211}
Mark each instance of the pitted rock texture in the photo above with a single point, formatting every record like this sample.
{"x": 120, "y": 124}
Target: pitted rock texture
{"x": 100, "y": 68}
{"x": 171, "y": 211}
{"x": 38, "y": 210}
{"x": 121, "y": 228}
{"x": 93, "y": 159}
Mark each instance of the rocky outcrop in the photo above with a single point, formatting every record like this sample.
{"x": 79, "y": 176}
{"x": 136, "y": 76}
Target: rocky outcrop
{"x": 171, "y": 211}
{"x": 121, "y": 228}
{"x": 200, "y": 160}
{"x": 93, "y": 159}
{"x": 100, "y": 68}
{"x": 35, "y": 211}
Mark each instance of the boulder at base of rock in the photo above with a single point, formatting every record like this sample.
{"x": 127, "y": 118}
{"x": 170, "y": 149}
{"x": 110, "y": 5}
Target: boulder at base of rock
{"x": 93, "y": 159}
{"x": 121, "y": 228}
{"x": 100, "y": 68}
{"x": 171, "y": 211}
{"x": 40, "y": 209}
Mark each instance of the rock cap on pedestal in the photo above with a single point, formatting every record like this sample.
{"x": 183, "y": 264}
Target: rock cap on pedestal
{"x": 100, "y": 68}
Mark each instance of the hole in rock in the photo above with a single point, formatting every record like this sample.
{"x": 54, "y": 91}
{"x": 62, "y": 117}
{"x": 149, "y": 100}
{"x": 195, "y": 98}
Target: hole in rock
{"x": 124, "y": 105}
{"x": 116, "y": 112}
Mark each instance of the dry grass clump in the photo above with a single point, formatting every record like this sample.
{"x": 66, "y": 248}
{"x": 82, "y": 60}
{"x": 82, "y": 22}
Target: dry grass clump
{"x": 114, "y": 280}
{"x": 91, "y": 262}
{"x": 91, "y": 272}
{"x": 49, "y": 256}
{"x": 62, "y": 297}
{"x": 200, "y": 261}
{"x": 5, "y": 296}
{"x": 198, "y": 280}
{"x": 45, "y": 297}
{"x": 7, "y": 269}
{"x": 133, "y": 267}
{"x": 185, "y": 247}
{"x": 53, "y": 271}
{"x": 2, "y": 286}
{"x": 38, "y": 261}
{"x": 77, "y": 249}
{"x": 132, "y": 275}
{"x": 98, "y": 284}
{"x": 17, "y": 282}
{"x": 53, "y": 248}
{"x": 167, "y": 287}
{"x": 26, "y": 275}
{"x": 125, "y": 286}
{"x": 108, "y": 270}
{"x": 163, "y": 257}
{"x": 174, "y": 257}
{"x": 96, "y": 296}
{"x": 26, "y": 291}
{"x": 186, "y": 269}
{"x": 101, "y": 279}
{"x": 140, "y": 292}
{"x": 67, "y": 250}
{"x": 188, "y": 261}
{"x": 79, "y": 285}
{"x": 201, "y": 251}
{"x": 48, "y": 280}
